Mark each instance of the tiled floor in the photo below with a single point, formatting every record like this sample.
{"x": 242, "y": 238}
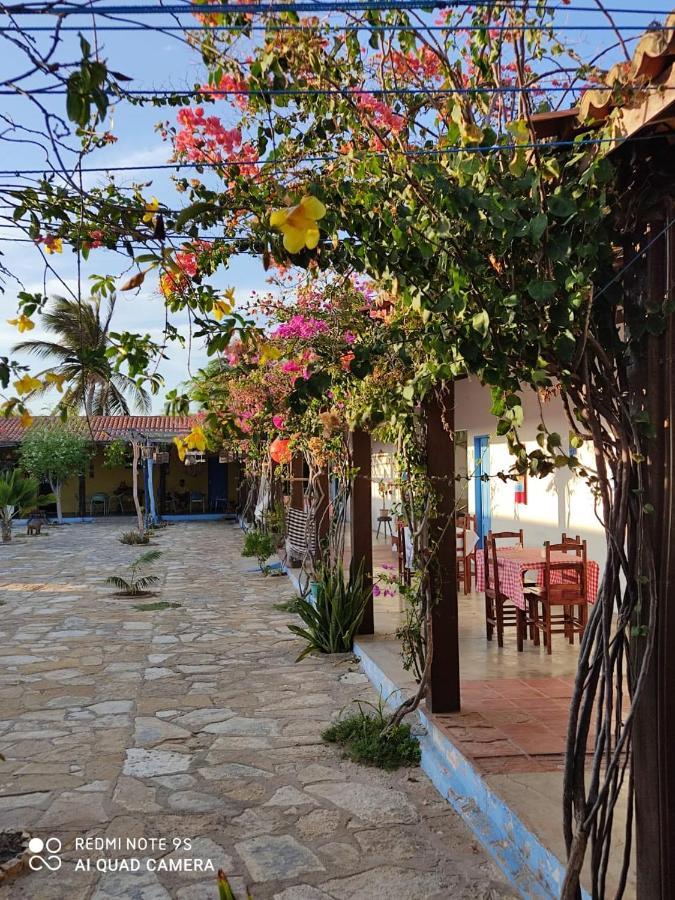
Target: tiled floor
{"x": 515, "y": 707}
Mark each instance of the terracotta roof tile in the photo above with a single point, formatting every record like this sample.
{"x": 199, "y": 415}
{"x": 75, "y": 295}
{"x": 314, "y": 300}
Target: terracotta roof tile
{"x": 650, "y": 66}
{"x": 106, "y": 428}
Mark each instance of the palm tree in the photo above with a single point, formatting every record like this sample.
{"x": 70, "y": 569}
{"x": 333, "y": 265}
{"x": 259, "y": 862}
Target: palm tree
{"x": 78, "y": 351}
{"x": 17, "y": 494}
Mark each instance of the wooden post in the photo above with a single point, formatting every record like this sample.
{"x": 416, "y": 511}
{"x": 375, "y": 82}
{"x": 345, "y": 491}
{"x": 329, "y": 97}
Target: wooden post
{"x": 297, "y": 494}
{"x": 654, "y": 729}
{"x": 163, "y": 469}
{"x": 323, "y": 513}
{"x": 298, "y": 482}
{"x": 443, "y": 694}
{"x": 82, "y": 496}
{"x": 361, "y": 521}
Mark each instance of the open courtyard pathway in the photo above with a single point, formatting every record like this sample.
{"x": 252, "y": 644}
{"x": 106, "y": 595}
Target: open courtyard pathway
{"x": 195, "y": 723}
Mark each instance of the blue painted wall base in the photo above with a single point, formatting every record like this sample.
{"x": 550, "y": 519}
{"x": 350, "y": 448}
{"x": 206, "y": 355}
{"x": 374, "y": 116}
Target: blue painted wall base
{"x": 532, "y": 869}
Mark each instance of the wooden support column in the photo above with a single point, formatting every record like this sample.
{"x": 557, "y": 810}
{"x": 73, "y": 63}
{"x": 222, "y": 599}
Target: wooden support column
{"x": 654, "y": 728}
{"x": 443, "y": 695}
{"x": 297, "y": 494}
{"x": 323, "y": 513}
{"x": 361, "y": 521}
{"x": 298, "y": 482}
{"x": 82, "y": 496}
{"x": 163, "y": 469}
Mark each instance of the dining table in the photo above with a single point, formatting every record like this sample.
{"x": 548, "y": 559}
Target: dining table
{"x": 514, "y": 562}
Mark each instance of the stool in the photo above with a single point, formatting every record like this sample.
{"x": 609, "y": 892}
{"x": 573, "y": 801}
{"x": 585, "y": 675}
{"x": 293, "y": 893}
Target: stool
{"x": 386, "y": 522}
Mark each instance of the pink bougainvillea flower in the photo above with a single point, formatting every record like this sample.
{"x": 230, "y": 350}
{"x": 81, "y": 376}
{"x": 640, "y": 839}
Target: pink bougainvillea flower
{"x": 278, "y": 421}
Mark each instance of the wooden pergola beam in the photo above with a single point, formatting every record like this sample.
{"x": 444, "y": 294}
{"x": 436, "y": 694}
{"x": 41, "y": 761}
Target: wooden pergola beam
{"x": 443, "y": 693}
{"x": 361, "y": 521}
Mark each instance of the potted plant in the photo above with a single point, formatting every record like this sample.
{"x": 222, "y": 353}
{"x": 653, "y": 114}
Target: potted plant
{"x": 384, "y": 488}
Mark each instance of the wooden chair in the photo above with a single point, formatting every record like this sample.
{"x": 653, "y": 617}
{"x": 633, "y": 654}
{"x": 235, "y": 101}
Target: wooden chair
{"x": 563, "y": 591}
{"x": 466, "y": 520}
{"x": 466, "y": 561}
{"x": 463, "y": 561}
{"x": 500, "y": 613}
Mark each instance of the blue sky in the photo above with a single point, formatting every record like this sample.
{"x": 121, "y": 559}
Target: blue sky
{"x": 156, "y": 61}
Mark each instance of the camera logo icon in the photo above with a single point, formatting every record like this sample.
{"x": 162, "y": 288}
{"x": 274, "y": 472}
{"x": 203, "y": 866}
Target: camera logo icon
{"x": 45, "y": 854}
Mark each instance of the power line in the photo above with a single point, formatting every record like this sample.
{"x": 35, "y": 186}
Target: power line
{"x": 34, "y": 29}
{"x": 419, "y": 152}
{"x": 301, "y": 6}
{"x": 207, "y": 92}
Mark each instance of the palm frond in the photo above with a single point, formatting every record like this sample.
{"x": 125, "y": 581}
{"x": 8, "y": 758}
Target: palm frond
{"x": 150, "y": 556}
{"x": 145, "y": 582}
{"x": 120, "y": 583}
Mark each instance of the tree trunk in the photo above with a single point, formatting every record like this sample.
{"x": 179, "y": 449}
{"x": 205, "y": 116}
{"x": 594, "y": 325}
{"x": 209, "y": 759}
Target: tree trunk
{"x": 6, "y": 528}
{"x": 134, "y": 481}
{"x": 56, "y": 490}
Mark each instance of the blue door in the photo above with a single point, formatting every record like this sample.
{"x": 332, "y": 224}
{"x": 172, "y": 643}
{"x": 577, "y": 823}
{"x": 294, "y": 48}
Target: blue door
{"x": 481, "y": 449}
{"x": 217, "y": 484}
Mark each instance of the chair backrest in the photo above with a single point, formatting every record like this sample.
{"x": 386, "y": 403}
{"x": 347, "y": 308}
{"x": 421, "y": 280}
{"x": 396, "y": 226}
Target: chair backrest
{"x": 491, "y": 564}
{"x": 461, "y": 542}
{"x": 497, "y": 536}
{"x": 565, "y": 580}
{"x": 574, "y": 542}
{"x": 466, "y": 520}
{"x": 100, "y": 496}
{"x": 196, "y": 495}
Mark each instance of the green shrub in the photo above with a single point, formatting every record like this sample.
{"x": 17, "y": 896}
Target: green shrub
{"x": 134, "y": 537}
{"x": 363, "y": 737}
{"x": 333, "y": 620}
{"x": 136, "y": 584}
{"x": 259, "y": 544}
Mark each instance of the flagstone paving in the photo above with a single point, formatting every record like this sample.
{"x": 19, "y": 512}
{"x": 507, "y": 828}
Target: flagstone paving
{"x": 196, "y": 723}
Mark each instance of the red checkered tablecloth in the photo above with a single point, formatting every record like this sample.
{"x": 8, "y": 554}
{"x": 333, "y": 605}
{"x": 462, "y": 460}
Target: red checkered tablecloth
{"x": 514, "y": 562}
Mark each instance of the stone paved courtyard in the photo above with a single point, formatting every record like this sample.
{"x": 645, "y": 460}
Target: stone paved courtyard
{"x": 195, "y": 722}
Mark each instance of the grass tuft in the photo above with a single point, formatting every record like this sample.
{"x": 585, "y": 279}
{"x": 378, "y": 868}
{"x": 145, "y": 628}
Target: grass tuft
{"x": 288, "y": 606}
{"x": 133, "y": 537}
{"x": 159, "y": 604}
{"x": 360, "y": 736}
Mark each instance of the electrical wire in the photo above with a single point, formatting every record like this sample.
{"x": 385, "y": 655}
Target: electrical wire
{"x": 335, "y": 27}
{"x": 207, "y": 92}
{"x": 302, "y": 6}
{"x": 420, "y": 152}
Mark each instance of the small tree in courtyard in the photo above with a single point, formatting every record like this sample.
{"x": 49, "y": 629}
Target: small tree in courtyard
{"x": 54, "y": 453}
{"x": 17, "y": 494}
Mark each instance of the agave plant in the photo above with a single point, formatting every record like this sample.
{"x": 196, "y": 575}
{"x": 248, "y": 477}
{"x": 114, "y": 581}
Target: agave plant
{"x": 331, "y": 622}
{"x": 17, "y": 494}
{"x": 136, "y": 583}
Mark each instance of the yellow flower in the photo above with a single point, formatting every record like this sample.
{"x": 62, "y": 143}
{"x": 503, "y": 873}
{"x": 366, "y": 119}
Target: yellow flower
{"x": 225, "y": 306}
{"x": 196, "y": 440}
{"x": 267, "y": 352}
{"x": 56, "y": 379}
{"x": 181, "y": 446}
{"x": 23, "y": 323}
{"x": 26, "y": 419}
{"x": 53, "y": 244}
{"x": 27, "y": 384}
{"x": 150, "y": 210}
{"x": 298, "y": 223}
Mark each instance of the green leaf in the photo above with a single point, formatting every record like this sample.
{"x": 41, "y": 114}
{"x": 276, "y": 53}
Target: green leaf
{"x": 538, "y": 226}
{"x": 541, "y": 290}
{"x": 481, "y": 322}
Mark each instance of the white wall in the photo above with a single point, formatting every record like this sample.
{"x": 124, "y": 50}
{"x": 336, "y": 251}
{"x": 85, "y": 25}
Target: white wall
{"x": 560, "y": 502}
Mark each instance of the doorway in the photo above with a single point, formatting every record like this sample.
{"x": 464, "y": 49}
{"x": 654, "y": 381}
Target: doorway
{"x": 481, "y": 449}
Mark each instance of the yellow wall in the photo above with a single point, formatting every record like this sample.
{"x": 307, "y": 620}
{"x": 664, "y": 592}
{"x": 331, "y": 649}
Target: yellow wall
{"x": 100, "y": 479}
